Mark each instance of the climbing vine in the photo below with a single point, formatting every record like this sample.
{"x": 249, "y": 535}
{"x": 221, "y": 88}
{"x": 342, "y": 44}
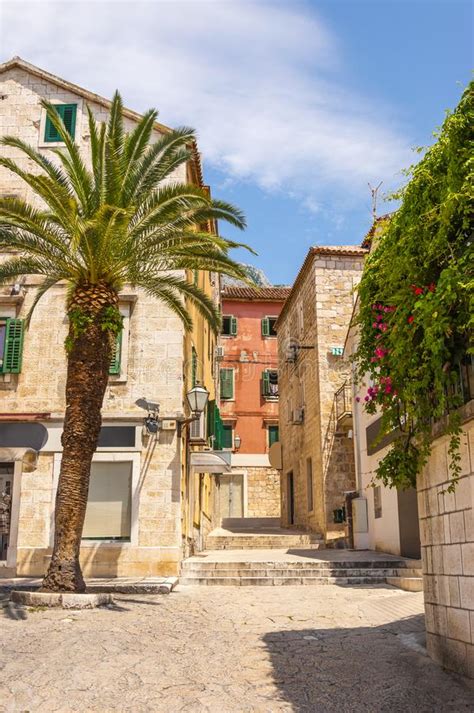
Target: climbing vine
{"x": 109, "y": 318}
{"x": 416, "y": 304}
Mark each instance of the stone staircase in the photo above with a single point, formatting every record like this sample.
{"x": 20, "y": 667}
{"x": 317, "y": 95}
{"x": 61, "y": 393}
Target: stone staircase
{"x": 259, "y": 533}
{"x": 201, "y": 570}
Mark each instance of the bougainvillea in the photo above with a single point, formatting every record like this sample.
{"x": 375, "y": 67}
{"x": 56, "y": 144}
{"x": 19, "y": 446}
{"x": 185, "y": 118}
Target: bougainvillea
{"x": 416, "y": 303}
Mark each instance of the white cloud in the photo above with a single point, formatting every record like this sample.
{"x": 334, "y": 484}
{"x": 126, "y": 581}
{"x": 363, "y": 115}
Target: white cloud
{"x": 263, "y": 84}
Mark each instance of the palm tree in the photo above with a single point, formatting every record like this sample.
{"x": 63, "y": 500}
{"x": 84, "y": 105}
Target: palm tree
{"x": 97, "y": 230}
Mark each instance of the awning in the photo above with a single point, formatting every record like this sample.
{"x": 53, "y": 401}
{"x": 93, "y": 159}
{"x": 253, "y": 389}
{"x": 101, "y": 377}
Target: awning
{"x": 210, "y": 462}
{"x": 28, "y": 456}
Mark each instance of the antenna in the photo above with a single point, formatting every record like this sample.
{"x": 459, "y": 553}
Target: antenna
{"x": 374, "y": 192}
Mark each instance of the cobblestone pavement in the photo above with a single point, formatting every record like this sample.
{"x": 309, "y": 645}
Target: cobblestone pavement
{"x": 226, "y": 650}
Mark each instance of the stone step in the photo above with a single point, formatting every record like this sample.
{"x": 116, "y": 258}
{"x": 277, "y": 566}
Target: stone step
{"x": 283, "y": 572}
{"x": 324, "y": 566}
{"x": 409, "y": 584}
{"x": 251, "y": 523}
{"x": 279, "y": 581}
{"x": 262, "y": 542}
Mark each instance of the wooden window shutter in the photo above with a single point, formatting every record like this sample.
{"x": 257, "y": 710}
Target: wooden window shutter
{"x": 265, "y": 383}
{"x": 233, "y": 326}
{"x": 67, "y": 112}
{"x": 116, "y": 359}
{"x": 13, "y": 346}
{"x": 227, "y": 437}
{"x": 265, "y": 327}
{"x": 227, "y": 383}
{"x": 193, "y": 367}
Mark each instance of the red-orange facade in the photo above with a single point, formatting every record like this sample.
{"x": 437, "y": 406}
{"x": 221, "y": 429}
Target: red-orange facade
{"x": 249, "y": 367}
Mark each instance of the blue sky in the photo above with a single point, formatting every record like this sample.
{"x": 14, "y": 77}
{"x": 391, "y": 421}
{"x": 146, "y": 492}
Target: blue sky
{"x": 297, "y": 105}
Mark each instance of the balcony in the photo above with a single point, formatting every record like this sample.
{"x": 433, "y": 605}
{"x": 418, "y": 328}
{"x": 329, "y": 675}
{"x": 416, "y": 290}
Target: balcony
{"x": 343, "y": 406}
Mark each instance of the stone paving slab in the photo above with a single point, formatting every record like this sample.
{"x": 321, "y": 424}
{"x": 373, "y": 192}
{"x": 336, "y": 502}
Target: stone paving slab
{"x": 263, "y": 650}
{"x": 123, "y": 585}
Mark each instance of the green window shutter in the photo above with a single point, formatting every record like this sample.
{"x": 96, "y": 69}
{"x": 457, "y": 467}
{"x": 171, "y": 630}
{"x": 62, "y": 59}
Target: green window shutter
{"x": 265, "y": 383}
{"x": 227, "y": 383}
{"x": 273, "y": 435}
{"x": 67, "y": 112}
{"x": 233, "y": 326}
{"x": 218, "y": 429}
{"x": 13, "y": 348}
{"x": 193, "y": 367}
{"x": 226, "y": 436}
{"x": 116, "y": 359}
{"x": 265, "y": 327}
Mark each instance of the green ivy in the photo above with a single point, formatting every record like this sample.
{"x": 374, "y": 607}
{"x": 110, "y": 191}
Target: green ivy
{"x": 110, "y": 320}
{"x": 416, "y": 301}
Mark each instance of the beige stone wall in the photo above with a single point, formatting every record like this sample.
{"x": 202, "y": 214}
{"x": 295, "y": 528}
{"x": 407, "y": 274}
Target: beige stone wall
{"x": 325, "y": 301}
{"x": 447, "y": 539}
{"x": 263, "y": 492}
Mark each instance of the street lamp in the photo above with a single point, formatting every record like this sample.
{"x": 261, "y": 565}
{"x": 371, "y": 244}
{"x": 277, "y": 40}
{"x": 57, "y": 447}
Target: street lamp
{"x": 237, "y": 442}
{"x": 197, "y": 399}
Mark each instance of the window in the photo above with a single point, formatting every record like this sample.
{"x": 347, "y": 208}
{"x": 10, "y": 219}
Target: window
{"x": 229, "y": 325}
{"x": 227, "y": 383}
{"x": 268, "y": 326}
{"x": 227, "y": 436}
{"x": 67, "y": 112}
{"x": 309, "y": 483}
{"x": 377, "y": 501}
{"x": 11, "y": 345}
{"x": 270, "y": 384}
{"x": 116, "y": 359}
{"x": 273, "y": 435}
{"x": 108, "y": 513}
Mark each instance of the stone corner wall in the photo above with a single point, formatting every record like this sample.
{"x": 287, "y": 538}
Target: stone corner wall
{"x": 263, "y": 492}
{"x": 447, "y": 540}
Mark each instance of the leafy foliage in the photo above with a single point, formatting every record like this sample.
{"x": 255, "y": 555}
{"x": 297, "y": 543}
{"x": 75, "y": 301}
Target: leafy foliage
{"x": 124, "y": 220}
{"x": 416, "y": 300}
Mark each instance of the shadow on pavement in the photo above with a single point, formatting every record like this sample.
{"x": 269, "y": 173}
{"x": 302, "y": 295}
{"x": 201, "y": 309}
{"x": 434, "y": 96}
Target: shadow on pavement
{"x": 363, "y": 670}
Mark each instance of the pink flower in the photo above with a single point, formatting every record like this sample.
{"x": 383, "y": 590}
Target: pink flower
{"x": 411, "y": 319}
{"x": 388, "y": 389}
{"x": 366, "y": 398}
{"x": 358, "y": 399}
{"x": 375, "y": 325}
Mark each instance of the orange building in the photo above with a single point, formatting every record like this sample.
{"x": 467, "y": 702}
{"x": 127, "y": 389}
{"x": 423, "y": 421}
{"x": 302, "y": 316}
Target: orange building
{"x": 249, "y": 399}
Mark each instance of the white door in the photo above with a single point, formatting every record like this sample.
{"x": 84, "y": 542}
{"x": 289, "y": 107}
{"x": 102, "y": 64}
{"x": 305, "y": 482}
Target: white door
{"x": 232, "y": 496}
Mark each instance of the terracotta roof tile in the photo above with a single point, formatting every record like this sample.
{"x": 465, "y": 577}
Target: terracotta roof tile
{"x": 259, "y": 294}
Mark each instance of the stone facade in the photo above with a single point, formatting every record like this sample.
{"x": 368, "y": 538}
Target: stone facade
{"x": 263, "y": 492}
{"x": 447, "y": 539}
{"x": 311, "y": 333}
{"x": 168, "y": 503}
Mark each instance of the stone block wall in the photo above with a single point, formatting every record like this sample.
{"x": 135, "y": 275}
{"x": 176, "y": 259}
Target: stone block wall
{"x": 447, "y": 539}
{"x": 263, "y": 492}
{"x": 316, "y": 317}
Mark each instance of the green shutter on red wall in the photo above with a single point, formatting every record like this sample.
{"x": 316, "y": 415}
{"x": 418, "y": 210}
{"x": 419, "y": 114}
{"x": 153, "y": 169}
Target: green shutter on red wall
{"x": 273, "y": 435}
{"x": 116, "y": 359}
{"x": 233, "y": 326}
{"x": 13, "y": 349}
{"x": 67, "y": 112}
{"x": 265, "y": 327}
{"x": 227, "y": 383}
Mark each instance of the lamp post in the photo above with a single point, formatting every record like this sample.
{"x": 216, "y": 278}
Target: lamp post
{"x": 237, "y": 442}
{"x": 197, "y": 398}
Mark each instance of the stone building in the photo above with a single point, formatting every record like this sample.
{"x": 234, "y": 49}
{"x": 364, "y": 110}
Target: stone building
{"x": 250, "y": 399}
{"x": 317, "y": 453}
{"x": 150, "y": 501}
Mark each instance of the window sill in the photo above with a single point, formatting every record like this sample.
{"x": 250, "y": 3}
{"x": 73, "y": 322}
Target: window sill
{"x": 114, "y": 543}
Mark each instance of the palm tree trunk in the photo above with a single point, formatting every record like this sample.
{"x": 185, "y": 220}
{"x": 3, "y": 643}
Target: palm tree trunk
{"x": 87, "y": 376}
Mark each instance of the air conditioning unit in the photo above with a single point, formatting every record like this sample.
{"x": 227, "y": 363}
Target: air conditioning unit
{"x": 220, "y": 351}
{"x": 197, "y": 429}
{"x": 298, "y": 415}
